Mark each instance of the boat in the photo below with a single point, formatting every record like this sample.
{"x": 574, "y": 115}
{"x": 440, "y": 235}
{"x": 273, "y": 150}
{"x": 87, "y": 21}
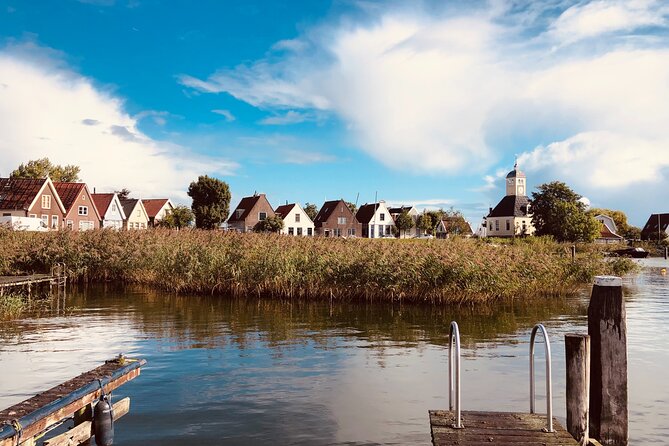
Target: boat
{"x": 637, "y": 253}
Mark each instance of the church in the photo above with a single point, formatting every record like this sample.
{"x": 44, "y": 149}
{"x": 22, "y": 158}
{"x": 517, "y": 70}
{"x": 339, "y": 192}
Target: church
{"x": 512, "y": 216}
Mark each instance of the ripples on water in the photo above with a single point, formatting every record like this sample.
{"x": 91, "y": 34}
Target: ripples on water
{"x": 235, "y": 371}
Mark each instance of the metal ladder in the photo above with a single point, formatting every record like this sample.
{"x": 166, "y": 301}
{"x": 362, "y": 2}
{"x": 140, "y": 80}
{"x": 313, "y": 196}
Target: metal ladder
{"x": 454, "y": 397}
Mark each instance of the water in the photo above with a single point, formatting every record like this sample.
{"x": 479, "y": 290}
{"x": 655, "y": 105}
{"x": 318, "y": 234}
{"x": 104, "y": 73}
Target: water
{"x": 252, "y": 371}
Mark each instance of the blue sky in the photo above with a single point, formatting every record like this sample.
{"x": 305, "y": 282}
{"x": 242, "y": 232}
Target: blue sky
{"x": 424, "y": 103}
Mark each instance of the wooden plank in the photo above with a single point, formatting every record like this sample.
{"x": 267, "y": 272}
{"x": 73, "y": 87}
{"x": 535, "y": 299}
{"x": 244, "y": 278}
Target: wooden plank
{"x": 485, "y": 428}
{"x": 577, "y": 353}
{"x": 82, "y": 432}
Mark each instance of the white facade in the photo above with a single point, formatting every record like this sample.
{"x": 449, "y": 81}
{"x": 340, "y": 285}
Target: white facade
{"x": 608, "y": 222}
{"x": 114, "y": 216}
{"x": 296, "y": 222}
{"x": 381, "y": 224}
{"x": 414, "y": 214}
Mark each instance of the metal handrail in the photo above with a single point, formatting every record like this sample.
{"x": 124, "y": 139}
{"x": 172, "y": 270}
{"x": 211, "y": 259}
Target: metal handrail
{"x": 454, "y": 378}
{"x": 549, "y": 381}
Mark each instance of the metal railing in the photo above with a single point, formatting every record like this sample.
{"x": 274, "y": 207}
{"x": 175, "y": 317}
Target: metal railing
{"x": 454, "y": 373}
{"x": 549, "y": 382}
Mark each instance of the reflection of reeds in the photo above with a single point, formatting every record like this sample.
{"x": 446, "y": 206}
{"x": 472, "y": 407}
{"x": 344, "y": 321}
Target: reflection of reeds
{"x": 456, "y": 270}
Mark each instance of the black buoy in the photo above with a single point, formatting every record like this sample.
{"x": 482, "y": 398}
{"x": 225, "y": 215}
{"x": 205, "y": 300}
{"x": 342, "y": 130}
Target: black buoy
{"x": 103, "y": 422}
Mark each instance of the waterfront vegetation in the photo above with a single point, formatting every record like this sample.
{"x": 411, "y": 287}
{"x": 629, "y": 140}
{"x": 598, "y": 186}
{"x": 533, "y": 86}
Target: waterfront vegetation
{"x": 457, "y": 270}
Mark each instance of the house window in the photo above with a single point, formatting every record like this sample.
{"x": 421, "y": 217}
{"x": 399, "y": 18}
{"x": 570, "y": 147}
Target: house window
{"x": 351, "y": 231}
{"x": 45, "y": 220}
{"x": 142, "y": 225}
{"x": 33, "y": 215}
{"x": 70, "y": 224}
{"x": 139, "y": 212}
{"x": 299, "y": 231}
{"x": 310, "y": 231}
{"x": 388, "y": 230}
{"x": 291, "y": 231}
{"x": 83, "y": 210}
{"x": 341, "y": 220}
{"x": 83, "y": 197}
{"x": 508, "y": 225}
{"x": 262, "y": 216}
{"x": 496, "y": 225}
{"x": 297, "y": 218}
{"x": 6, "y": 214}
{"x": 113, "y": 207}
{"x": 337, "y": 232}
{"x": 46, "y": 201}
{"x": 382, "y": 217}
{"x": 85, "y": 225}
{"x": 54, "y": 221}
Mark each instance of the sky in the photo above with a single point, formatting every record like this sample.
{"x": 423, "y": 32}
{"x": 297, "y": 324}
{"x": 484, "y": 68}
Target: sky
{"x": 427, "y": 103}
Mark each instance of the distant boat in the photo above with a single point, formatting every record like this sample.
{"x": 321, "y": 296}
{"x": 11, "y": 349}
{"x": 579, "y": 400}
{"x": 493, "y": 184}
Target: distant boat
{"x": 637, "y": 253}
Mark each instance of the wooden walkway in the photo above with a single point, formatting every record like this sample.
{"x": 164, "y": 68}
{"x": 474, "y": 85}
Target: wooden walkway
{"x": 492, "y": 428}
{"x": 9, "y": 281}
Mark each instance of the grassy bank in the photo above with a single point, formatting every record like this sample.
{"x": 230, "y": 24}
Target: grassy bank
{"x": 457, "y": 270}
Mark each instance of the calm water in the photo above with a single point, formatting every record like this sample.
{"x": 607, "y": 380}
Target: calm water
{"x": 253, "y": 371}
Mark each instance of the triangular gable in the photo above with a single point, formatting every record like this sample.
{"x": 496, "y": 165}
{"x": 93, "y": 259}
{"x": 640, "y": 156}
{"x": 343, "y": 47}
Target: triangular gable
{"x": 48, "y": 183}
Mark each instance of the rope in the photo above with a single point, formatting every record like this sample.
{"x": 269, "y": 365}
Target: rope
{"x": 16, "y": 424}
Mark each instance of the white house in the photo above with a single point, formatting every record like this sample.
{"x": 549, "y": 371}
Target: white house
{"x": 609, "y": 231}
{"x": 413, "y": 213}
{"x": 376, "y": 220}
{"x": 110, "y": 210}
{"x": 295, "y": 220}
{"x": 157, "y": 209}
{"x": 512, "y": 216}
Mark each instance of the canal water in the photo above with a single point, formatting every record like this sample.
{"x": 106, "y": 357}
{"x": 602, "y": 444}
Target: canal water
{"x": 255, "y": 371}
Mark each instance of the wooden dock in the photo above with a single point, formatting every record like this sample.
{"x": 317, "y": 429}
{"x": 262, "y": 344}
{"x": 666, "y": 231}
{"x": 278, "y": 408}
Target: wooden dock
{"x": 56, "y": 278}
{"x": 491, "y": 428}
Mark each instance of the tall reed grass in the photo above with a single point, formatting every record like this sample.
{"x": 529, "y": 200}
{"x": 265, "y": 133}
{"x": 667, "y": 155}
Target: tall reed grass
{"x": 455, "y": 270}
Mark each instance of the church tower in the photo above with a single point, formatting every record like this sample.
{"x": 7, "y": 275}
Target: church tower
{"x": 516, "y": 182}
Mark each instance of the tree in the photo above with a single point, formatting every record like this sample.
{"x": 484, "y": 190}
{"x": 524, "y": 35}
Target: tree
{"x": 352, "y": 207}
{"x": 311, "y": 210}
{"x": 424, "y": 222}
{"x": 179, "y": 217}
{"x": 404, "y": 222}
{"x": 123, "y": 193}
{"x": 270, "y": 224}
{"x": 42, "y": 168}
{"x": 557, "y": 211}
{"x": 211, "y": 201}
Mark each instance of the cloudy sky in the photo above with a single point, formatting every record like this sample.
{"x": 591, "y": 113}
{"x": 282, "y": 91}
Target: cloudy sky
{"x": 425, "y": 103}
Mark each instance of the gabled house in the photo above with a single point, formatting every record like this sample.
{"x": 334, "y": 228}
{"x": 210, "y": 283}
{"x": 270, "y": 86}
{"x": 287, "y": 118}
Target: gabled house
{"x": 609, "y": 231}
{"x": 456, "y": 225}
{"x": 295, "y": 220}
{"x": 512, "y": 215}
{"x": 656, "y": 226}
{"x": 376, "y": 220}
{"x": 157, "y": 209}
{"x": 81, "y": 214}
{"x": 335, "y": 219}
{"x": 249, "y": 212}
{"x": 36, "y": 198}
{"x": 135, "y": 214}
{"x": 110, "y": 209}
{"x": 413, "y": 213}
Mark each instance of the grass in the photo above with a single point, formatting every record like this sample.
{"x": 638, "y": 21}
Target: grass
{"x": 456, "y": 270}
{"x": 12, "y": 306}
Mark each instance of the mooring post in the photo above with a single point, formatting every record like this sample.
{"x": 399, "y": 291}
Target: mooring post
{"x": 573, "y": 253}
{"x": 577, "y": 351}
{"x": 607, "y": 327}
{"x": 666, "y": 252}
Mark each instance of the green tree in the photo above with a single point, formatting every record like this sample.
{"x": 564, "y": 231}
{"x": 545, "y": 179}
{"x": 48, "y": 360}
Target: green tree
{"x": 123, "y": 193}
{"x": 42, "y": 168}
{"x": 352, "y": 207}
{"x": 270, "y": 224}
{"x": 424, "y": 222}
{"x": 179, "y": 217}
{"x": 404, "y": 222}
{"x": 211, "y": 201}
{"x": 557, "y": 211}
{"x": 311, "y": 210}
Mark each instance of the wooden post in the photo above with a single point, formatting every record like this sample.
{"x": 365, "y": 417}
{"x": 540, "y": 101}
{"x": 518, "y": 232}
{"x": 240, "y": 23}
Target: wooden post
{"x": 577, "y": 351}
{"x": 666, "y": 252}
{"x": 607, "y": 328}
{"x": 573, "y": 253}
{"x": 83, "y": 415}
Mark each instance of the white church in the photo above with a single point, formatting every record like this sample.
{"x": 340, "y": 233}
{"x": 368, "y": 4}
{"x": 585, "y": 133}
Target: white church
{"x": 512, "y": 215}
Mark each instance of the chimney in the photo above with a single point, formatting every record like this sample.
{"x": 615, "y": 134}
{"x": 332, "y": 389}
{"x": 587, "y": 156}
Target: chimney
{"x": 93, "y": 189}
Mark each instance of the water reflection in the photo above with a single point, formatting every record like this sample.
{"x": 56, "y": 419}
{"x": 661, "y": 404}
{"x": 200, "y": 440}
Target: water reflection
{"x": 249, "y": 371}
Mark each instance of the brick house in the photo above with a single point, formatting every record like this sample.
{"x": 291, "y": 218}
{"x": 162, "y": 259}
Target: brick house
{"x": 81, "y": 214}
{"x": 335, "y": 219}
{"x": 27, "y": 197}
{"x": 249, "y": 212}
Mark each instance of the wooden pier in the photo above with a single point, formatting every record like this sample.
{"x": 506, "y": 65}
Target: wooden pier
{"x": 489, "y": 428}
{"x": 56, "y": 278}
{"x": 33, "y": 419}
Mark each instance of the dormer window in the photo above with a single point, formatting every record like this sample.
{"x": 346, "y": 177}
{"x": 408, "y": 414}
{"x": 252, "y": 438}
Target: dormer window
{"x": 46, "y": 201}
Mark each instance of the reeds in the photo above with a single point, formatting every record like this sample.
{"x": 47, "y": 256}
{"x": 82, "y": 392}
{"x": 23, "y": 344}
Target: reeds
{"x": 456, "y": 270}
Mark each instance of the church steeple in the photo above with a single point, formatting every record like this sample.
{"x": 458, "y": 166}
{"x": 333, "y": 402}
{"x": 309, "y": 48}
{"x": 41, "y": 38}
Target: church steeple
{"x": 516, "y": 181}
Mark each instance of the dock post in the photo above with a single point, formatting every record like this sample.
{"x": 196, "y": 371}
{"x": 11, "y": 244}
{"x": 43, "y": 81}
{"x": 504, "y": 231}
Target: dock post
{"x": 577, "y": 351}
{"x": 82, "y": 415}
{"x": 607, "y": 327}
{"x": 666, "y": 252}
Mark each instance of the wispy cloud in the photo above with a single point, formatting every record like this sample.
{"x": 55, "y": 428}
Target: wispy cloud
{"x": 290, "y": 117}
{"x": 291, "y": 156}
{"x": 227, "y": 114}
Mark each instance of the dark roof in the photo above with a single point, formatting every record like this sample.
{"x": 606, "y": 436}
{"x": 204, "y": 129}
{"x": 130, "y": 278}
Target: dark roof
{"x": 68, "y": 193}
{"x": 128, "y": 204}
{"x": 651, "y": 225}
{"x": 284, "y": 210}
{"x": 327, "y": 209}
{"x": 102, "y": 202}
{"x": 19, "y": 193}
{"x": 246, "y": 205}
{"x": 511, "y": 206}
{"x": 399, "y": 210}
{"x": 515, "y": 172}
{"x": 154, "y": 205}
{"x": 366, "y": 212}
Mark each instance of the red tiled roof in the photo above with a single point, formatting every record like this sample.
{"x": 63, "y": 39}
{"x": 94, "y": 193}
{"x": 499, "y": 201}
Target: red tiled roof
{"x": 284, "y": 210}
{"x": 102, "y": 202}
{"x": 68, "y": 193}
{"x": 246, "y": 205}
{"x": 154, "y": 205}
{"x": 19, "y": 193}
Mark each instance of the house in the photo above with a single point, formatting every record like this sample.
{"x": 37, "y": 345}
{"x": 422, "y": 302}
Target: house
{"x": 157, "y": 209}
{"x": 110, "y": 209}
{"x": 609, "y": 231}
{"x": 135, "y": 214}
{"x": 512, "y": 215}
{"x": 36, "y": 198}
{"x": 413, "y": 213}
{"x": 81, "y": 214}
{"x": 455, "y": 225}
{"x": 295, "y": 220}
{"x": 335, "y": 219}
{"x": 376, "y": 220}
{"x": 249, "y": 212}
{"x": 656, "y": 226}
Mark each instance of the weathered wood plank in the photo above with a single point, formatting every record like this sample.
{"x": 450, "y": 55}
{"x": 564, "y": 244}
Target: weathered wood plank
{"x": 577, "y": 352}
{"x": 84, "y": 431}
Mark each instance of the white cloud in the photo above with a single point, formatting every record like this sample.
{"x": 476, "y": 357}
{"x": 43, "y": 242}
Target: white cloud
{"x": 47, "y": 110}
{"x": 227, "y": 114}
{"x": 291, "y": 156}
{"x": 290, "y": 117}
